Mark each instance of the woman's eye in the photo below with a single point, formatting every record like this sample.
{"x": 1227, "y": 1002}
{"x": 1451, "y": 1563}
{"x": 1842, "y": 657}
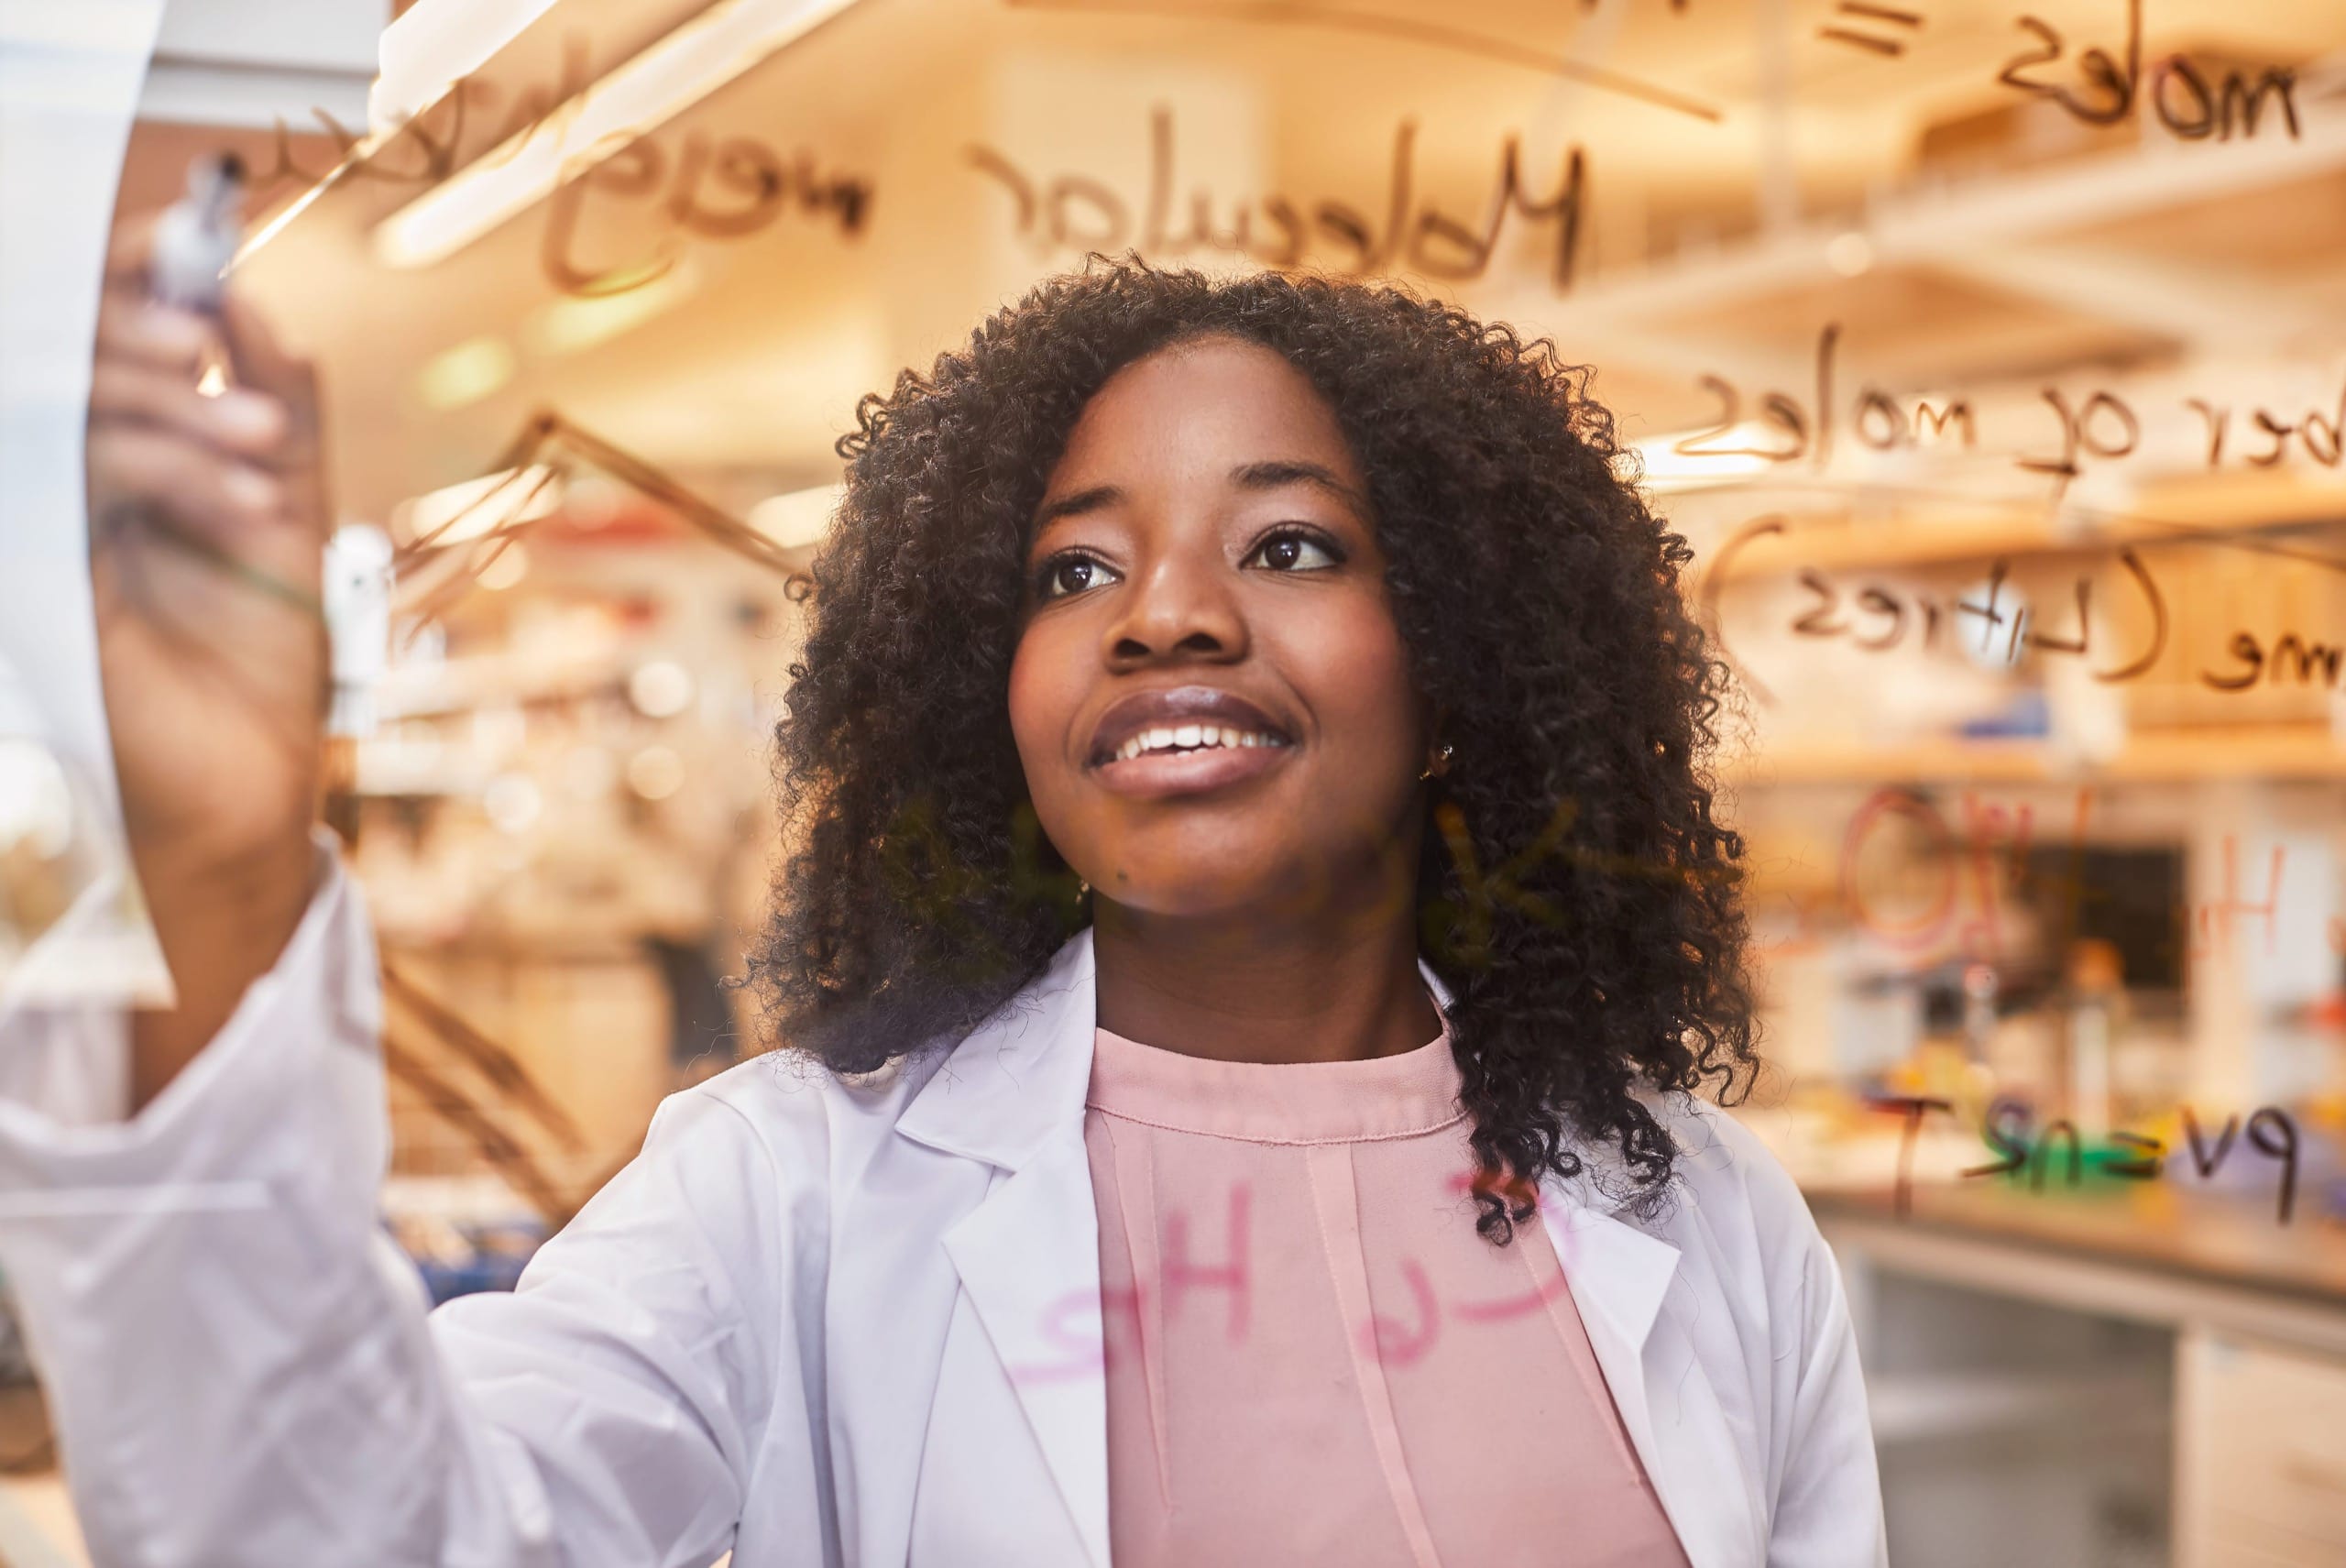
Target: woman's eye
{"x": 1294, "y": 551}
{"x": 1071, "y": 575}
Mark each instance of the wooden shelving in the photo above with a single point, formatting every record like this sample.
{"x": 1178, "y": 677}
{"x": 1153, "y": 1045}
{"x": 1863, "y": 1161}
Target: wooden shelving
{"x": 2175, "y": 756}
{"x": 2305, "y": 516}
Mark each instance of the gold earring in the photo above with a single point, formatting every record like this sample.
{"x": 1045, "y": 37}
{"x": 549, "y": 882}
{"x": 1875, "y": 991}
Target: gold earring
{"x": 1439, "y": 764}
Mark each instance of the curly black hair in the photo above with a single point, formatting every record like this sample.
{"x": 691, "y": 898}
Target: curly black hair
{"x": 1576, "y": 893}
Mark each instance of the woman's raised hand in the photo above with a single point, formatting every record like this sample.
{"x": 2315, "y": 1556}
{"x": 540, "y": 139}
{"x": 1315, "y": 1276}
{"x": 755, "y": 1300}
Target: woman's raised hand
{"x": 208, "y": 516}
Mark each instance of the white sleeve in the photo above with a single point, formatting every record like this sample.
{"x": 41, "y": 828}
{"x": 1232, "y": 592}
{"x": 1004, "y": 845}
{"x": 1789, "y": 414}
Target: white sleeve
{"x": 240, "y": 1364}
{"x": 1822, "y": 1480}
{"x": 1828, "y": 1510}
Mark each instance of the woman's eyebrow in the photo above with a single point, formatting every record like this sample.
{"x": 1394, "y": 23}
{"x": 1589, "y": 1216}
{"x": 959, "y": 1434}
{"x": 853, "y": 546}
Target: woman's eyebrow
{"x": 1076, "y": 505}
{"x": 1272, "y": 475}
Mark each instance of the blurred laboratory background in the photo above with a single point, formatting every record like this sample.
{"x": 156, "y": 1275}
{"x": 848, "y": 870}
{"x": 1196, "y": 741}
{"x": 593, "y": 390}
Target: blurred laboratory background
{"x": 1991, "y": 359}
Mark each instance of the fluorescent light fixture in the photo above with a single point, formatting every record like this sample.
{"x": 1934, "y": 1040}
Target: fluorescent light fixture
{"x": 799, "y": 518}
{"x": 460, "y": 377}
{"x": 1664, "y": 468}
{"x": 1851, "y": 254}
{"x": 571, "y": 322}
{"x": 478, "y": 506}
{"x": 507, "y": 567}
{"x": 655, "y": 86}
{"x": 434, "y": 45}
{"x": 423, "y": 54}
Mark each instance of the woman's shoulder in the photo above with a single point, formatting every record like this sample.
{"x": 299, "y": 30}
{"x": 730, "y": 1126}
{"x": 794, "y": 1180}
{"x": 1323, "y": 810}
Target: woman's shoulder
{"x": 1724, "y": 1176}
{"x": 804, "y": 1119}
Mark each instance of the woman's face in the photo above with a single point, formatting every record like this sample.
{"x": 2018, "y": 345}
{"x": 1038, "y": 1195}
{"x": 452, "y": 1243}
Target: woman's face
{"x": 1210, "y": 697}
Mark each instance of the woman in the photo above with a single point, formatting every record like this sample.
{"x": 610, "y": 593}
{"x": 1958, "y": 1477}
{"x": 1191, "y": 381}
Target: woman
{"x": 1256, "y": 917}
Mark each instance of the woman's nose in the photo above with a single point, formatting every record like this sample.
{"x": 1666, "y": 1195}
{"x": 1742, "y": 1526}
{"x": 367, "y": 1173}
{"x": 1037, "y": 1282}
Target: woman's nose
{"x": 1178, "y": 609}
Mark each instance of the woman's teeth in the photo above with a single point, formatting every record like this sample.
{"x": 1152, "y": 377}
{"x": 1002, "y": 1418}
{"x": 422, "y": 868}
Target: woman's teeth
{"x": 1191, "y": 737}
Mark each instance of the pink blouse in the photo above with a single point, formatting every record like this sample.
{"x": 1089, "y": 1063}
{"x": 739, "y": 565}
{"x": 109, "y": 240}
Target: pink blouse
{"x": 1311, "y": 1356}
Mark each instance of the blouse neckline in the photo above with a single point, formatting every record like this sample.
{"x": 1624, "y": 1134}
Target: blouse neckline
{"x": 1398, "y": 1096}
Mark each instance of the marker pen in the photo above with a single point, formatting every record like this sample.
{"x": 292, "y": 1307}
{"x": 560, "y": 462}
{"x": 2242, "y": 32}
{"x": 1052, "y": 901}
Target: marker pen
{"x": 198, "y": 234}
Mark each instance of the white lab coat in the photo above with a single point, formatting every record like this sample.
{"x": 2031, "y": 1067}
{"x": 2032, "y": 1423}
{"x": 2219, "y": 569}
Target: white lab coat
{"x": 812, "y": 1323}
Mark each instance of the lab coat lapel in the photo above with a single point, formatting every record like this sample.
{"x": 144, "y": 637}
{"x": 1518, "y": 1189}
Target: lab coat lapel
{"x": 1012, "y": 1094}
{"x": 1621, "y": 1278}
{"x": 1030, "y": 1262}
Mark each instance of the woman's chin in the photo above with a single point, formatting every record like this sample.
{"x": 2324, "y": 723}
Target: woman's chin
{"x": 1233, "y": 895}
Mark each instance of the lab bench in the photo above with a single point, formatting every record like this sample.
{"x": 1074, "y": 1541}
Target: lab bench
{"x": 2121, "y": 1380}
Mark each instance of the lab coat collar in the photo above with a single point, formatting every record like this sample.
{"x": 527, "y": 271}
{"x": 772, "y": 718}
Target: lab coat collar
{"x": 1020, "y": 1077}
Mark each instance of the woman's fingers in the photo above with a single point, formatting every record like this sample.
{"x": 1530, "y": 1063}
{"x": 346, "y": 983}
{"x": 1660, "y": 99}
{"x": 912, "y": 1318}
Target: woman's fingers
{"x": 248, "y": 424}
{"x": 130, "y": 324}
{"x": 214, "y": 466}
{"x": 132, "y": 327}
{"x": 129, "y": 250}
{"x": 141, "y": 468}
{"x": 262, "y": 364}
{"x": 258, "y": 358}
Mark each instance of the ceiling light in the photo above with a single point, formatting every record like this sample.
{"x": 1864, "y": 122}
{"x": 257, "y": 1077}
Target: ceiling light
{"x": 506, "y": 568}
{"x": 655, "y": 772}
{"x": 574, "y": 321}
{"x": 1850, "y": 254}
{"x": 434, "y": 44}
{"x": 422, "y": 56}
{"x": 1735, "y": 456}
{"x": 479, "y": 506}
{"x": 459, "y": 376}
{"x": 655, "y": 86}
{"x": 799, "y": 518}
{"x": 661, "y": 689}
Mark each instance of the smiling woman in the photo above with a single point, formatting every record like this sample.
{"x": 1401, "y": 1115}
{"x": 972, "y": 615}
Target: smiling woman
{"x": 1269, "y": 613}
{"x": 1253, "y": 925}
{"x": 1361, "y": 525}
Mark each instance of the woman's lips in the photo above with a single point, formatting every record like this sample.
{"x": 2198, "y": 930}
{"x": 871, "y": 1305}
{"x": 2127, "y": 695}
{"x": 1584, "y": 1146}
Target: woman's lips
{"x": 1155, "y": 775}
{"x": 1149, "y": 712}
{"x": 1184, "y": 740}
